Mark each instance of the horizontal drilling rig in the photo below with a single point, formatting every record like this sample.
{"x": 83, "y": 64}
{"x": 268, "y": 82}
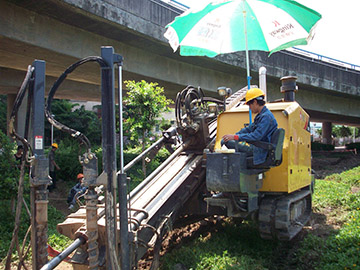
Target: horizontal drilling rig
{"x": 115, "y": 232}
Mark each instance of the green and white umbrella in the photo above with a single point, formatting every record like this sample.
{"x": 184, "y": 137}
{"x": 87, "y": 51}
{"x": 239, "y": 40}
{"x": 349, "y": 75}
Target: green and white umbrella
{"x": 242, "y": 25}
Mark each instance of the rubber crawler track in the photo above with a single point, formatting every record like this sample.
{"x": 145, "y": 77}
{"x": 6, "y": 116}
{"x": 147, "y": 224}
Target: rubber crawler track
{"x": 275, "y": 221}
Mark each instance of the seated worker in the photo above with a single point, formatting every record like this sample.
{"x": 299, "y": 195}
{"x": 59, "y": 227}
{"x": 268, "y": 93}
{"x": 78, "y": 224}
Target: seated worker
{"x": 260, "y": 130}
{"x": 76, "y": 191}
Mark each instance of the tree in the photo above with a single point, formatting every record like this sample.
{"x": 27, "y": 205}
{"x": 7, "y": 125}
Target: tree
{"x": 79, "y": 119}
{"x": 8, "y": 170}
{"x": 145, "y": 102}
{"x": 341, "y": 131}
{"x": 3, "y": 111}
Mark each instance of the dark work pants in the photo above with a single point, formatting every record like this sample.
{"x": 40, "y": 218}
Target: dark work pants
{"x": 53, "y": 176}
{"x": 239, "y": 147}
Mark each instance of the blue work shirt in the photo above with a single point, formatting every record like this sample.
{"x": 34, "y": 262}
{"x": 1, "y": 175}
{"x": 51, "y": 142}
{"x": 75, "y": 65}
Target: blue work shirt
{"x": 260, "y": 130}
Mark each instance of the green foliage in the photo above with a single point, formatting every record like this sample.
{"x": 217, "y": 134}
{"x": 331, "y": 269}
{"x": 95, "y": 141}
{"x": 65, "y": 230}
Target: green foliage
{"x": 135, "y": 173}
{"x": 341, "y": 131}
{"x": 67, "y": 157}
{"x": 319, "y": 131}
{"x": 144, "y": 104}
{"x": 78, "y": 119}
{"x": 3, "y": 111}
{"x": 55, "y": 239}
{"x": 7, "y": 219}
{"x": 353, "y": 146}
{"x": 8, "y": 170}
{"x": 316, "y": 146}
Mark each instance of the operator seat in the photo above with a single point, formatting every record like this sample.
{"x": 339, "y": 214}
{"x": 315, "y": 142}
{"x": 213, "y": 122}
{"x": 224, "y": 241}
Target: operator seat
{"x": 274, "y": 157}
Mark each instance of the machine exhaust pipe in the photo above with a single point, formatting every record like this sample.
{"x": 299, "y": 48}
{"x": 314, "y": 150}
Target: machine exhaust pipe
{"x": 262, "y": 80}
{"x": 289, "y": 87}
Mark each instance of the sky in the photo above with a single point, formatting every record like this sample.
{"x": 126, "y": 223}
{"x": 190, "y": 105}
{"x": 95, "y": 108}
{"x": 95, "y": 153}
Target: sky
{"x": 337, "y": 33}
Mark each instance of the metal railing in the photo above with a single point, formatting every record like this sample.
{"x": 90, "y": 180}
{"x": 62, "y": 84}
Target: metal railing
{"x": 307, "y": 54}
{"x": 323, "y": 58}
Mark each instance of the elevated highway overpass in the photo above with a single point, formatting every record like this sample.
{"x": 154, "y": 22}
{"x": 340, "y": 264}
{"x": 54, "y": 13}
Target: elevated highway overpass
{"x": 64, "y": 31}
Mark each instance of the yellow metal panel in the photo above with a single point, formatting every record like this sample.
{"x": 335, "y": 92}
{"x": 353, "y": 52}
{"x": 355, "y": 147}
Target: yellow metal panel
{"x": 276, "y": 179}
{"x": 300, "y": 151}
{"x": 295, "y": 170}
{"x": 230, "y": 122}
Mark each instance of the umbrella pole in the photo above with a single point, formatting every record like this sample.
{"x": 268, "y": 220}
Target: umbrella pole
{"x": 247, "y": 57}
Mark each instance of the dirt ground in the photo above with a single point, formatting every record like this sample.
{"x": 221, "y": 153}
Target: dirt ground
{"x": 321, "y": 224}
{"x": 58, "y": 196}
{"x": 325, "y": 164}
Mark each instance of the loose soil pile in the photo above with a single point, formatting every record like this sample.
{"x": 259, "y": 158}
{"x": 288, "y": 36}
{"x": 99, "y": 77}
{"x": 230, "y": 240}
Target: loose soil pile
{"x": 324, "y": 164}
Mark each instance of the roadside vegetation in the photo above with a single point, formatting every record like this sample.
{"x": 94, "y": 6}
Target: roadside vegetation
{"x": 330, "y": 242}
{"x": 137, "y": 129}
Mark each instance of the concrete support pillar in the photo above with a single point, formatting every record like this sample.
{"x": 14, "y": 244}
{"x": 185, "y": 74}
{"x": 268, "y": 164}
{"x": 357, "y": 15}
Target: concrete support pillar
{"x": 326, "y": 132}
{"x": 10, "y": 103}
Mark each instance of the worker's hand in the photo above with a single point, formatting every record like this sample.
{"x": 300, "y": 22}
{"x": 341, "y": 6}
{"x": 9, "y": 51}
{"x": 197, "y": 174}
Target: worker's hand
{"x": 228, "y": 137}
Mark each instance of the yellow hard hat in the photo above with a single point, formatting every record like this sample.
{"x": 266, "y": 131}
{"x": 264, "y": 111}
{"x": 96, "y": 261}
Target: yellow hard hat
{"x": 55, "y": 145}
{"x": 253, "y": 93}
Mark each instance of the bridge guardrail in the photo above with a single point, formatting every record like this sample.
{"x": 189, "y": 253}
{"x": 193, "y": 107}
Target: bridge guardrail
{"x": 296, "y": 50}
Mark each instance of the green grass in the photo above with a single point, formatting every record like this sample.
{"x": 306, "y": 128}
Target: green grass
{"x": 7, "y": 218}
{"x": 339, "y": 195}
{"x": 233, "y": 246}
{"x": 55, "y": 239}
{"x": 239, "y": 246}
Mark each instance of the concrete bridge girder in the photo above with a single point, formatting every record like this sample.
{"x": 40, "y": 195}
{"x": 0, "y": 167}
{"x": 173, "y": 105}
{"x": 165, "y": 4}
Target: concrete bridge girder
{"x": 19, "y": 48}
{"x": 48, "y": 30}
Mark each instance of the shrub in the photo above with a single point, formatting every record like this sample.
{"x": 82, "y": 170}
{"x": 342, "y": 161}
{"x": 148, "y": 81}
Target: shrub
{"x": 353, "y": 146}
{"x": 8, "y": 170}
{"x": 135, "y": 173}
{"x": 67, "y": 157}
{"x": 79, "y": 119}
{"x": 316, "y": 146}
{"x": 3, "y": 109}
{"x": 7, "y": 218}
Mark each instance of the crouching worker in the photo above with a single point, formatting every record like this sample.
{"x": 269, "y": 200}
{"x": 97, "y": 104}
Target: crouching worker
{"x": 260, "y": 130}
{"x": 76, "y": 191}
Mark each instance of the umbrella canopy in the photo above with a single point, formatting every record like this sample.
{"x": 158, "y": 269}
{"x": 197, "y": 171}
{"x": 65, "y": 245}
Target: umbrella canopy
{"x": 242, "y": 25}
{"x": 220, "y": 27}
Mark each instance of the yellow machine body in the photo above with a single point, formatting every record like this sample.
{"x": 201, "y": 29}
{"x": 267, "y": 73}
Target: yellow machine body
{"x": 295, "y": 170}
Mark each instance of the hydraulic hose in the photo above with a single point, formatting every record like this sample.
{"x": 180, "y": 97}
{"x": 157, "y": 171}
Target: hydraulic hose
{"x": 18, "y": 101}
{"x": 74, "y": 133}
{"x": 189, "y": 103}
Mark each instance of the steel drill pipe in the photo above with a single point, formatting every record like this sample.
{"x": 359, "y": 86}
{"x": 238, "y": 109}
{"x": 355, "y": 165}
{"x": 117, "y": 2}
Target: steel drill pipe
{"x": 58, "y": 259}
{"x": 132, "y": 163}
{"x": 159, "y": 169}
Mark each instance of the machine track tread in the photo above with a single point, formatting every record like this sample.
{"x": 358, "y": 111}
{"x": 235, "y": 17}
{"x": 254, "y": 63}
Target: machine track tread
{"x": 267, "y": 217}
{"x": 276, "y": 220}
